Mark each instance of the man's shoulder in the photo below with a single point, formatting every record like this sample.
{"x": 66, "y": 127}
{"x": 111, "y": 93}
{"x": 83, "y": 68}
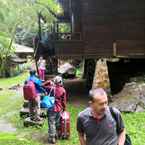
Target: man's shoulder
{"x": 85, "y": 113}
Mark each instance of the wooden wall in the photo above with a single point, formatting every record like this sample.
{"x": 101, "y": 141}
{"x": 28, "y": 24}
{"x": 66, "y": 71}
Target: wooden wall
{"x": 108, "y": 28}
{"x": 107, "y": 21}
{"x": 129, "y": 29}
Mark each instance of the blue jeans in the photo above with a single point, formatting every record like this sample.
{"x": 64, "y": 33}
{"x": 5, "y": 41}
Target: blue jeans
{"x": 53, "y": 123}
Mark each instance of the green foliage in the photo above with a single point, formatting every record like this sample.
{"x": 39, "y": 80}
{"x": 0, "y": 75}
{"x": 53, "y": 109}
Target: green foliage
{"x": 8, "y": 82}
{"x": 64, "y": 27}
{"x": 6, "y": 49}
{"x": 11, "y": 139}
{"x": 135, "y": 125}
{"x": 21, "y": 16}
{"x": 53, "y": 5}
{"x": 4, "y": 46}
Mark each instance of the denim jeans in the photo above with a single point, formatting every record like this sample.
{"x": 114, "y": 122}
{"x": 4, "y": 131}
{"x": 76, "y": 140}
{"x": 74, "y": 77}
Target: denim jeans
{"x": 34, "y": 108}
{"x": 53, "y": 123}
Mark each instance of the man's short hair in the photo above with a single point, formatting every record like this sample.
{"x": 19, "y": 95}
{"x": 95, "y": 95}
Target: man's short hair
{"x": 96, "y": 92}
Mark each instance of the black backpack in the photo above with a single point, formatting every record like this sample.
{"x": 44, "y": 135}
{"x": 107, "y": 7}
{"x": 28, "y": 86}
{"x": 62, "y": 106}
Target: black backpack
{"x": 128, "y": 139}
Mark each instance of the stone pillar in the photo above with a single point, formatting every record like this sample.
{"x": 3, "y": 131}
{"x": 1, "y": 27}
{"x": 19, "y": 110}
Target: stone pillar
{"x": 101, "y": 76}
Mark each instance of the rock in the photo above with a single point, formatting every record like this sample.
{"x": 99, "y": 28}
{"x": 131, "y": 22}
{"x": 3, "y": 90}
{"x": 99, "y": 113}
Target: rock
{"x": 139, "y": 109}
{"x": 24, "y": 113}
{"x": 131, "y": 98}
{"x": 28, "y": 122}
{"x": 142, "y": 98}
{"x": 124, "y": 106}
{"x": 67, "y": 70}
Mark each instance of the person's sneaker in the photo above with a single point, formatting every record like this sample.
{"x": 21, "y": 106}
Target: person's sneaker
{"x": 38, "y": 119}
{"x": 52, "y": 140}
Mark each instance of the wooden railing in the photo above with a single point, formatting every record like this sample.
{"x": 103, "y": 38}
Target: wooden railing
{"x": 67, "y": 36}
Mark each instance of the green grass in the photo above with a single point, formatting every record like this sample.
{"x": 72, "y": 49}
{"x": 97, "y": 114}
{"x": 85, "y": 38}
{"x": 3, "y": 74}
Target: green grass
{"x": 11, "y": 102}
{"x": 135, "y": 125}
{"x": 8, "y": 82}
{"x": 12, "y": 139}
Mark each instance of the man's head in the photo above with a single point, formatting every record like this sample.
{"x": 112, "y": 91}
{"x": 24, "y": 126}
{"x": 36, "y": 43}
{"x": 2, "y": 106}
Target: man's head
{"x": 98, "y": 100}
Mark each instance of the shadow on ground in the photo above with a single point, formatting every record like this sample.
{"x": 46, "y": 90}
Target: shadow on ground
{"x": 77, "y": 92}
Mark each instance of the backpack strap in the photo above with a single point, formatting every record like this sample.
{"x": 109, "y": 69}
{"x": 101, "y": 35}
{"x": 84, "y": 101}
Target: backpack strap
{"x": 52, "y": 89}
{"x": 114, "y": 115}
{"x": 128, "y": 139}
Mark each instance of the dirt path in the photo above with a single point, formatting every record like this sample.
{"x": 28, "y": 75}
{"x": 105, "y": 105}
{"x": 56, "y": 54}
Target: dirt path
{"x": 77, "y": 93}
{"x": 6, "y": 126}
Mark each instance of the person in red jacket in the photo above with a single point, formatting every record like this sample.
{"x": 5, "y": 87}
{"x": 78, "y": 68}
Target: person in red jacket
{"x": 54, "y": 113}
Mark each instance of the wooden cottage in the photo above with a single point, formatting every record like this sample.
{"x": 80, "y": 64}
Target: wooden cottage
{"x": 101, "y": 28}
{"x": 98, "y": 29}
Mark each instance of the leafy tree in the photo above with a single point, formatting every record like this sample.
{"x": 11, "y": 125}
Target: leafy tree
{"x": 21, "y": 15}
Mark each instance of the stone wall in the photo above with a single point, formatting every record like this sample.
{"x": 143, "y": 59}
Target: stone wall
{"x": 101, "y": 77}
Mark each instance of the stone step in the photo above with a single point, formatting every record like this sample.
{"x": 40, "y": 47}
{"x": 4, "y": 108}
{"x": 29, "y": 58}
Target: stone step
{"x": 28, "y": 122}
{"x": 24, "y": 113}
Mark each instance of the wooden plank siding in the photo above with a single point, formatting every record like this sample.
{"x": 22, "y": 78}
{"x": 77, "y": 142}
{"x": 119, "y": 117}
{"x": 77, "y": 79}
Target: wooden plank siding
{"x": 108, "y": 21}
{"x": 103, "y": 23}
{"x": 97, "y": 28}
{"x": 129, "y": 29}
{"x": 132, "y": 48}
{"x": 75, "y": 48}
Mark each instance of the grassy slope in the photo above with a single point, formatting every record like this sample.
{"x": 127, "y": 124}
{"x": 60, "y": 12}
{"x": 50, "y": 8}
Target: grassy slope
{"x": 11, "y": 101}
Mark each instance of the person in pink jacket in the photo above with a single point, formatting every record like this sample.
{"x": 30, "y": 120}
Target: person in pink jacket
{"x": 55, "y": 112}
{"x": 41, "y": 68}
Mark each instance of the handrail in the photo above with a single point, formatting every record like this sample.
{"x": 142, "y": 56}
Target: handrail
{"x": 67, "y": 36}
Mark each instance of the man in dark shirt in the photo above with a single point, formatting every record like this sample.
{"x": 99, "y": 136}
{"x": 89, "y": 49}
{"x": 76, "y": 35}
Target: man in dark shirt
{"x": 96, "y": 125}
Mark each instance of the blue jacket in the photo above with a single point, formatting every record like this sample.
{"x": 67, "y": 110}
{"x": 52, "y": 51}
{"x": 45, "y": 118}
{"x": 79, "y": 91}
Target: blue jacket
{"x": 38, "y": 83}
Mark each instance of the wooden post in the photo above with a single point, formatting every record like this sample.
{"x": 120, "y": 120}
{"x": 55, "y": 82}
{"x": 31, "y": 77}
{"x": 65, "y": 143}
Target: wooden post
{"x": 114, "y": 49}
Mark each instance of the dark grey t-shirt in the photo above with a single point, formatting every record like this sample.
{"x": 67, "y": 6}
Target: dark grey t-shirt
{"x": 102, "y": 132}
